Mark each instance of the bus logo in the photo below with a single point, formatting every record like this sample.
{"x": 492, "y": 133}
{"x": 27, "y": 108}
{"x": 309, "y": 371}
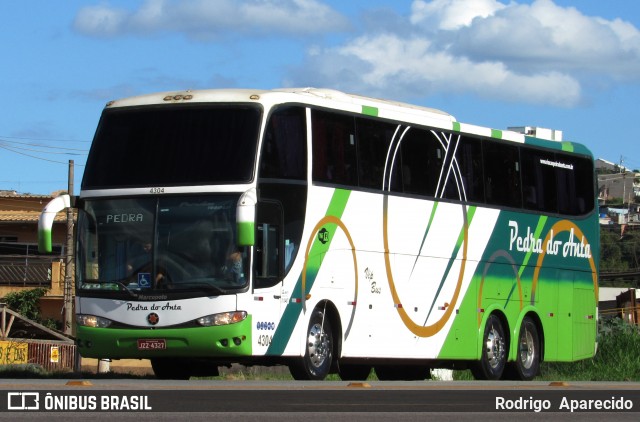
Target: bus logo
{"x": 153, "y": 318}
{"x": 323, "y": 236}
{"x": 23, "y": 401}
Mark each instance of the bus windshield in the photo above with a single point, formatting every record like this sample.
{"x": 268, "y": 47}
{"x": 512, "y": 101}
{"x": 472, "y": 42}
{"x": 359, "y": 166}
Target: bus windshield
{"x": 176, "y": 145}
{"x": 169, "y": 244}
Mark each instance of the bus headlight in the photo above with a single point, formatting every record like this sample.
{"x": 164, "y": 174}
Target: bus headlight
{"x": 224, "y": 318}
{"x": 92, "y": 321}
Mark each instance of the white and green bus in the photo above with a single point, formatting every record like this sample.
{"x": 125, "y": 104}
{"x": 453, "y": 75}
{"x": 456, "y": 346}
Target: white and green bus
{"x": 331, "y": 233}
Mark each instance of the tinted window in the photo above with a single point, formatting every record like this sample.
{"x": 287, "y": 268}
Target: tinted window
{"x": 373, "y": 139}
{"x": 421, "y": 162}
{"x": 173, "y": 145}
{"x": 284, "y": 149}
{"x": 502, "y": 174}
{"x": 468, "y": 167}
{"x": 334, "y": 148}
{"x": 538, "y": 181}
{"x": 575, "y": 184}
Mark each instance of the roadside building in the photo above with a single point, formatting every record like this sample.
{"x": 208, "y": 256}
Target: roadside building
{"x": 21, "y": 266}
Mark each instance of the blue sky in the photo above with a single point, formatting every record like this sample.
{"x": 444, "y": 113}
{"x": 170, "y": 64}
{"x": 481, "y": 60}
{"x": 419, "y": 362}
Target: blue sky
{"x": 568, "y": 65}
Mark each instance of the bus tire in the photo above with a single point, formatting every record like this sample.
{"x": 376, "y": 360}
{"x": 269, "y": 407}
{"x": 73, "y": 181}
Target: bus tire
{"x": 527, "y": 363}
{"x": 349, "y": 372}
{"x": 318, "y": 356}
{"x": 171, "y": 369}
{"x": 493, "y": 358}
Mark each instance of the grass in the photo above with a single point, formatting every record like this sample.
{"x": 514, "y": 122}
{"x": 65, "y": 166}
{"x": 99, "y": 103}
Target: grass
{"x": 617, "y": 358}
{"x": 25, "y": 371}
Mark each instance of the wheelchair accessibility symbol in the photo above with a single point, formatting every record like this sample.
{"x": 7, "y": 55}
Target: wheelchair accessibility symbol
{"x": 144, "y": 280}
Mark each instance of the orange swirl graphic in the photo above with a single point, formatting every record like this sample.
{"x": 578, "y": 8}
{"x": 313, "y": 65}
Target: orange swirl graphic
{"x": 423, "y": 330}
{"x": 329, "y": 219}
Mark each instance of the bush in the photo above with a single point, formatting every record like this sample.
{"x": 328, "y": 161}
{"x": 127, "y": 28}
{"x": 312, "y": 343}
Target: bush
{"x": 25, "y": 303}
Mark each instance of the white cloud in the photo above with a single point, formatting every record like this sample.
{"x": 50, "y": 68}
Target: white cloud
{"x": 390, "y": 66}
{"x": 451, "y": 14}
{"x": 538, "y": 53}
{"x": 534, "y": 52}
{"x": 544, "y": 35}
{"x": 205, "y": 19}
{"x": 101, "y": 20}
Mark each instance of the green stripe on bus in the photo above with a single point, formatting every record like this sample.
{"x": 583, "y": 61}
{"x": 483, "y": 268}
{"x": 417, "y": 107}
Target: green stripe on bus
{"x": 292, "y": 311}
{"x": 536, "y": 235}
{"x": 370, "y": 111}
{"x": 495, "y": 133}
{"x": 456, "y": 126}
{"x": 558, "y": 146}
{"x": 424, "y": 237}
{"x": 454, "y": 255}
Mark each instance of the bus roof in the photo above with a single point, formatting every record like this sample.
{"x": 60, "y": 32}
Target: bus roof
{"x": 322, "y": 97}
{"x": 339, "y": 100}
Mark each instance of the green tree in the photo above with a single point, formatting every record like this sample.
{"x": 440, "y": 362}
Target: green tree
{"x": 629, "y": 245}
{"x": 26, "y": 303}
{"x": 611, "y": 252}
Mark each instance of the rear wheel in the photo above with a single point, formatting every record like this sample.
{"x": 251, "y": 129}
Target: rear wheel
{"x": 318, "y": 356}
{"x": 494, "y": 351}
{"x": 527, "y": 363}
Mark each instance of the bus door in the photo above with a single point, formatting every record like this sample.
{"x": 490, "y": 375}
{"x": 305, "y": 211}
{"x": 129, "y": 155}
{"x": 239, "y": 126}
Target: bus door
{"x": 268, "y": 274}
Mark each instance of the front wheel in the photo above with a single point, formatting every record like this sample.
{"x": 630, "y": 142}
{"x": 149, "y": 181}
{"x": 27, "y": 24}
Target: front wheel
{"x": 318, "y": 356}
{"x": 494, "y": 351}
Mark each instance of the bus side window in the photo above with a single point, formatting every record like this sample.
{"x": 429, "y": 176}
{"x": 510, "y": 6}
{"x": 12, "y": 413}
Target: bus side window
{"x": 538, "y": 180}
{"x": 421, "y": 159}
{"x": 269, "y": 245}
{"x": 334, "y": 148}
{"x": 502, "y": 174}
{"x": 373, "y": 139}
{"x": 284, "y": 149}
{"x": 574, "y": 196}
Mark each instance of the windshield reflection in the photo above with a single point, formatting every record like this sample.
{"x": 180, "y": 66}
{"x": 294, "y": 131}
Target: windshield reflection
{"x": 165, "y": 244}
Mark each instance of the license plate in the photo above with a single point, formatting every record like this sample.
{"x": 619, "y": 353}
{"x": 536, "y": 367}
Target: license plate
{"x": 152, "y": 344}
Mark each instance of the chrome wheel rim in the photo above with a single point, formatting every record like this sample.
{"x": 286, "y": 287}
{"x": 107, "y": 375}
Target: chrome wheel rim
{"x": 318, "y": 345}
{"x": 495, "y": 347}
{"x": 527, "y": 349}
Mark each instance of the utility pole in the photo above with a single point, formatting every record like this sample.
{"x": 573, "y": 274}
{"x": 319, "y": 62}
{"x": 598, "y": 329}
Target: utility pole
{"x": 68, "y": 268}
{"x": 621, "y": 161}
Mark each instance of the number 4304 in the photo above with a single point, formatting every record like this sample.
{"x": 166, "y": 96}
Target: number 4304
{"x": 264, "y": 340}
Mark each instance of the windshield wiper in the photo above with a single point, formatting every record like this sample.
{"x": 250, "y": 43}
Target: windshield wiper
{"x": 124, "y": 286}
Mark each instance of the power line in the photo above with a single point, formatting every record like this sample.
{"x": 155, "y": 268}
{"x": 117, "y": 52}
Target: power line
{"x": 44, "y": 152}
{"x": 40, "y": 145}
{"x": 10, "y": 149}
{"x": 44, "y": 139}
